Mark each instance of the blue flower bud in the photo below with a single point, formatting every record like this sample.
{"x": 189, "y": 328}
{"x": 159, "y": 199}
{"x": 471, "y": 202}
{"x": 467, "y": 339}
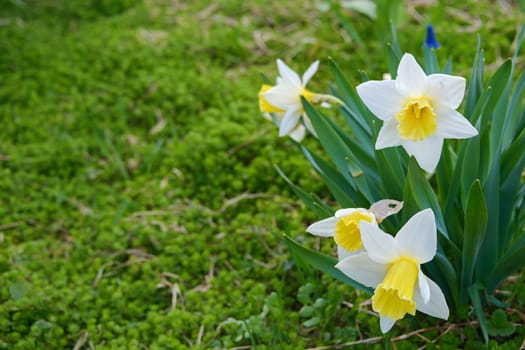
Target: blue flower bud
{"x": 430, "y": 40}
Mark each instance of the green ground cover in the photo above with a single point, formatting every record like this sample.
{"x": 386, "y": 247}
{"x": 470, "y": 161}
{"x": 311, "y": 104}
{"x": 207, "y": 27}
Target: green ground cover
{"x": 140, "y": 206}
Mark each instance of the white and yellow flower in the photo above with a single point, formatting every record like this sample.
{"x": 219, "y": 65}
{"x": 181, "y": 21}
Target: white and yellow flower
{"x": 344, "y": 227}
{"x": 418, "y": 111}
{"x": 284, "y": 100}
{"x": 392, "y": 265}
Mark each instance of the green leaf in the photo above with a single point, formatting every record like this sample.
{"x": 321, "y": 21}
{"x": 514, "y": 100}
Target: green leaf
{"x": 314, "y": 321}
{"x": 476, "y": 82}
{"x": 361, "y": 116}
{"x": 478, "y": 310}
{"x": 392, "y": 169}
{"x": 421, "y": 193}
{"x": 345, "y": 195}
{"x": 490, "y": 249}
{"x": 394, "y": 56}
{"x": 507, "y": 264}
{"x": 499, "y": 325}
{"x": 304, "y": 293}
{"x": 430, "y": 60}
{"x": 306, "y": 311}
{"x": 344, "y": 158}
{"x": 318, "y": 207}
{"x": 321, "y": 262}
{"x": 349, "y": 27}
{"x": 514, "y": 115}
{"x": 476, "y": 217}
{"x": 498, "y": 84}
{"x": 19, "y": 289}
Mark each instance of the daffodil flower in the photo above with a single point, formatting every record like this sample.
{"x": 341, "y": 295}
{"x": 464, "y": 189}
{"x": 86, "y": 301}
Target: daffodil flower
{"x": 297, "y": 134}
{"x": 418, "y": 111}
{"x": 284, "y": 99}
{"x": 344, "y": 227}
{"x": 392, "y": 265}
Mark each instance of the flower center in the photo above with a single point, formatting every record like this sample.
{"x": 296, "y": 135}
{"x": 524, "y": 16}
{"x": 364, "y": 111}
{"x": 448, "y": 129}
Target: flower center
{"x": 347, "y": 233}
{"x": 264, "y": 105}
{"x": 394, "y": 297}
{"x": 417, "y": 119}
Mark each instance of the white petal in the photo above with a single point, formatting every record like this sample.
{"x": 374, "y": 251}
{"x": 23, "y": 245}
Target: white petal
{"x": 411, "y": 79}
{"x": 386, "y": 324}
{"x": 424, "y": 288}
{"x": 436, "y": 305}
{"x": 342, "y": 253}
{"x": 388, "y": 135}
{"x": 418, "y": 237}
{"x": 362, "y": 269}
{"x": 446, "y": 90}
{"x": 309, "y": 125}
{"x": 379, "y": 245}
{"x": 310, "y": 72}
{"x": 287, "y": 74}
{"x": 452, "y": 124}
{"x": 283, "y": 96}
{"x": 297, "y": 134}
{"x": 323, "y": 228}
{"x": 381, "y": 98}
{"x": 345, "y": 212}
{"x": 290, "y": 120}
{"x": 427, "y": 152}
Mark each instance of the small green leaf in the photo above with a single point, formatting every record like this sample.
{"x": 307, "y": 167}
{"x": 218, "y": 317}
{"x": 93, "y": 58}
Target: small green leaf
{"x": 306, "y": 311}
{"x": 314, "y": 321}
{"x": 304, "y": 292}
{"x": 19, "y": 289}
{"x": 42, "y": 325}
{"x": 499, "y": 325}
{"x": 322, "y": 262}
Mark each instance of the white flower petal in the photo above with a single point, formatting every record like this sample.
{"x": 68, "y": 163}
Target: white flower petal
{"x": 298, "y": 133}
{"x": 345, "y": 212}
{"x": 446, "y": 90}
{"x": 362, "y": 269}
{"x": 342, "y": 253}
{"x": 288, "y": 74}
{"x": 411, "y": 79}
{"x": 309, "y": 125}
{"x": 379, "y": 245}
{"x": 381, "y": 98}
{"x": 290, "y": 120}
{"x": 452, "y": 124}
{"x": 418, "y": 237}
{"x": 436, "y": 305}
{"x": 427, "y": 152}
{"x": 388, "y": 135}
{"x": 310, "y": 72}
{"x": 386, "y": 324}
{"x": 283, "y": 96}
{"x": 424, "y": 288}
{"x": 323, "y": 228}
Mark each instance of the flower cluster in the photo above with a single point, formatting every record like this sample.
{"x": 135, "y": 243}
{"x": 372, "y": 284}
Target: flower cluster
{"x": 469, "y": 193}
